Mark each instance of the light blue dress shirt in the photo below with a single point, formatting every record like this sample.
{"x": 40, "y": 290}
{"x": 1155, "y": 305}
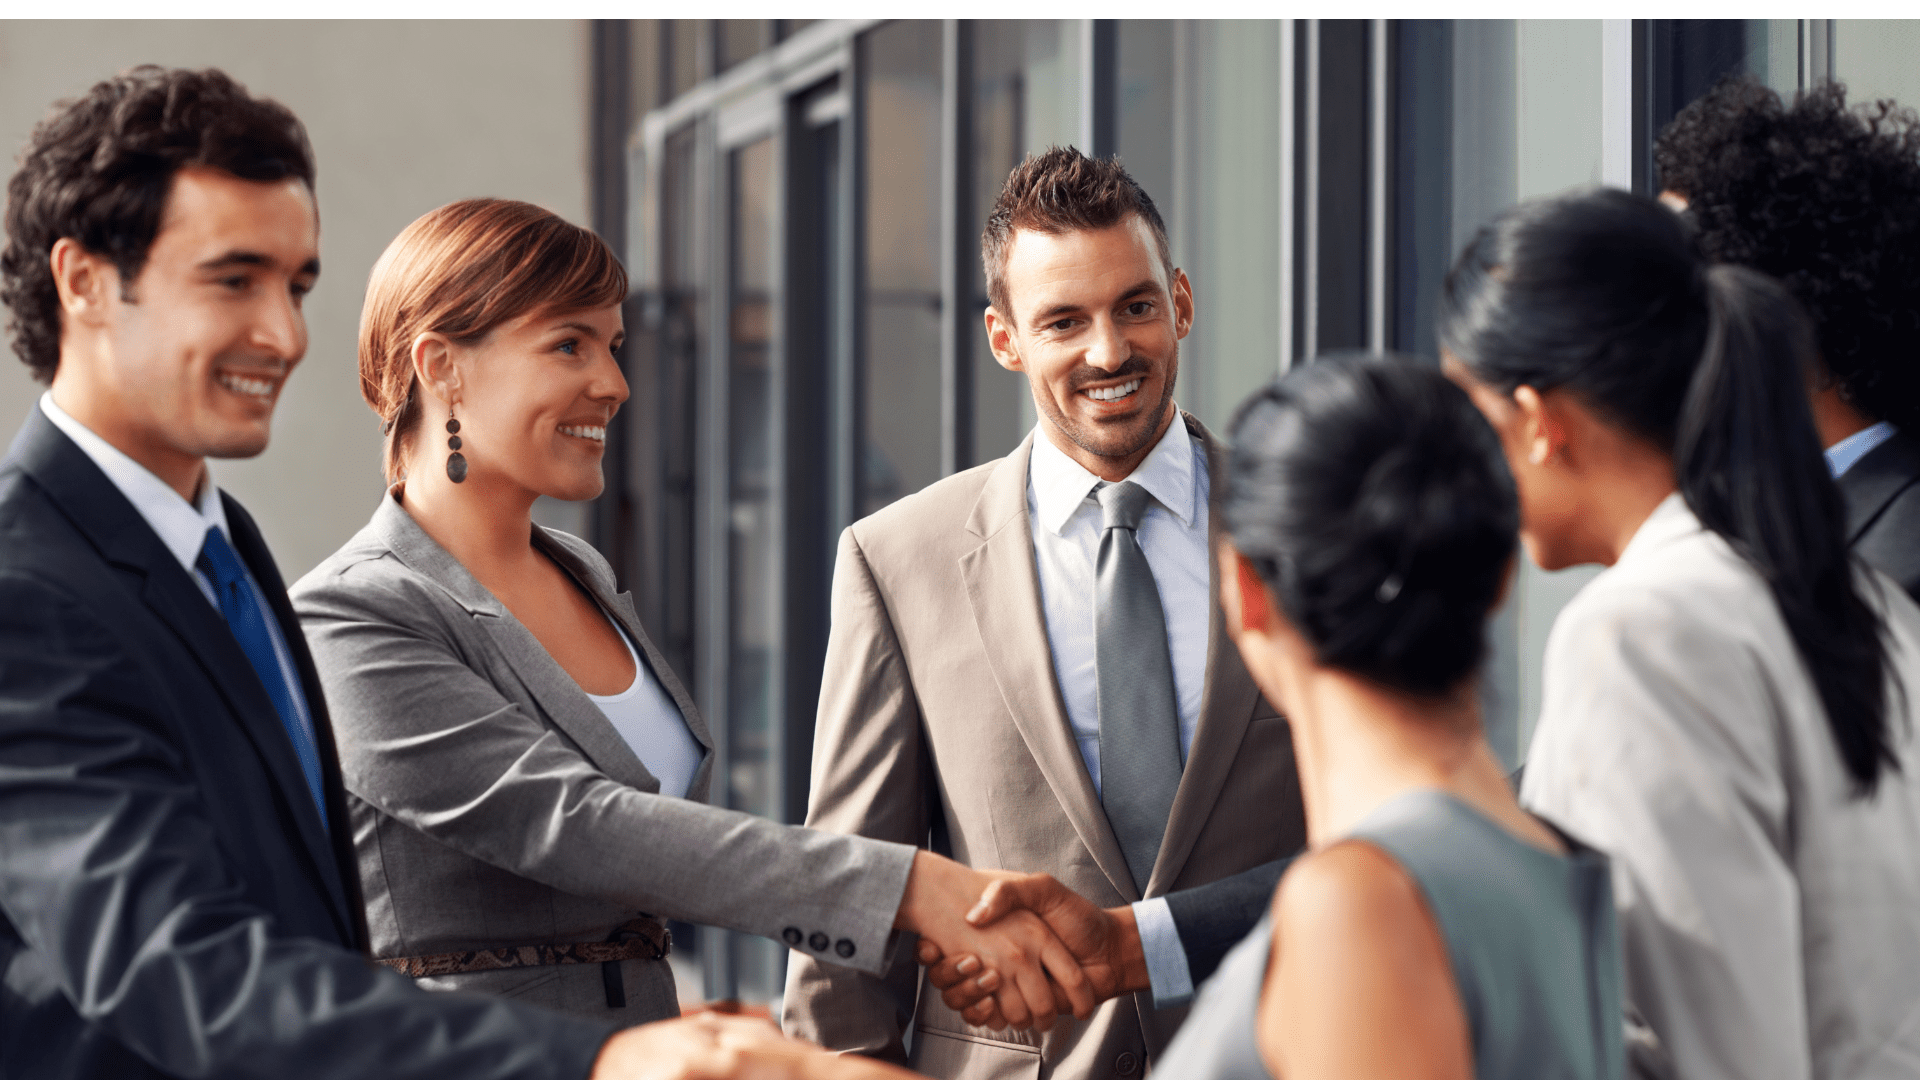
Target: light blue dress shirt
{"x": 1847, "y": 453}
{"x": 182, "y": 528}
{"x": 1173, "y": 535}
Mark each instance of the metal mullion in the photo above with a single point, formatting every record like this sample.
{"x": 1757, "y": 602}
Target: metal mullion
{"x": 1310, "y": 267}
{"x": 1289, "y": 160}
{"x": 848, "y": 408}
{"x": 1378, "y": 114}
{"x": 715, "y": 551}
{"x": 957, "y": 268}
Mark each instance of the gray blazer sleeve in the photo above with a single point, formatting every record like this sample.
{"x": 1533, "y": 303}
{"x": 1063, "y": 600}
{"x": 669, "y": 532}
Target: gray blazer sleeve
{"x": 427, "y": 740}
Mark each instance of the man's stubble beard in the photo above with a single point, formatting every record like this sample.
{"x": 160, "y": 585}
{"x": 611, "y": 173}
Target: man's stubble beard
{"x": 1088, "y": 440}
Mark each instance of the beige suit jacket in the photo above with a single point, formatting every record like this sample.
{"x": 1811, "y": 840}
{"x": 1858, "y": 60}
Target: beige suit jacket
{"x": 940, "y": 714}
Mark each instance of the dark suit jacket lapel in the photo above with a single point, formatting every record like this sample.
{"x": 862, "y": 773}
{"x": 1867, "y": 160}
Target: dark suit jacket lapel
{"x": 252, "y": 548}
{"x": 1003, "y": 587}
{"x": 1877, "y": 479}
{"x": 1224, "y": 711}
{"x": 559, "y": 697}
{"x": 125, "y": 540}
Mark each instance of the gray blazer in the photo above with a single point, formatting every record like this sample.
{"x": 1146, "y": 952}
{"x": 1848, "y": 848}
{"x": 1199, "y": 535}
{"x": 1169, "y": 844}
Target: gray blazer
{"x": 493, "y": 805}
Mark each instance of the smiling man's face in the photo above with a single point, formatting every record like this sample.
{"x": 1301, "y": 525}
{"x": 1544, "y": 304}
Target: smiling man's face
{"x": 1096, "y": 326}
{"x": 195, "y": 350}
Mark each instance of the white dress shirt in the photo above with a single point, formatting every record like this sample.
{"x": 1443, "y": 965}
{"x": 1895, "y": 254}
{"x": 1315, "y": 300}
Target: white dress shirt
{"x": 182, "y": 527}
{"x": 647, "y": 718}
{"x": 1847, "y": 453}
{"x": 1769, "y": 920}
{"x": 1173, "y": 534}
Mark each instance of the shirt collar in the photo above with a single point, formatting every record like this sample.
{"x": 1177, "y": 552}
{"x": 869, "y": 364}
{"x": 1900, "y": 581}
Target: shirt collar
{"x": 1847, "y": 453}
{"x": 1061, "y": 485}
{"x": 181, "y": 525}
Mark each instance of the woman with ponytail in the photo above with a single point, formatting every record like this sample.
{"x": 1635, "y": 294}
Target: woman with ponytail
{"x": 1727, "y": 709}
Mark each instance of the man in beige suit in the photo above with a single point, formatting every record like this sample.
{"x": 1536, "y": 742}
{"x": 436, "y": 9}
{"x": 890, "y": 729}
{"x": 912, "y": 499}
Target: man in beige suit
{"x": 1027, "y": 666}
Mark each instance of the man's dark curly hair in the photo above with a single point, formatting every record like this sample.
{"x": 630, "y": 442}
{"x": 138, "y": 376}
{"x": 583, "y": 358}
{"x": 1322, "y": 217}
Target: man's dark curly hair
{"x": 1826, "y": 199}
{"x": 98, "y": 170}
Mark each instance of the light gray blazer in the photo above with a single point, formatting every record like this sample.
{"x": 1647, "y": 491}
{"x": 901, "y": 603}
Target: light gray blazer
{"x": 493, "y": 804}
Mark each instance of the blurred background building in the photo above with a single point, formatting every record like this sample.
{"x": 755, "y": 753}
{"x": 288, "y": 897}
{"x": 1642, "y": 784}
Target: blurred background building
{"x": 800, "y": 203}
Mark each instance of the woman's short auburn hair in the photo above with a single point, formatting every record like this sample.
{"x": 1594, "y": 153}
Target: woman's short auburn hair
{"x": 463, "y": 270}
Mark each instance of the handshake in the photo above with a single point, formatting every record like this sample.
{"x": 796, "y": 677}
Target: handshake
{"x": 1002, "y": 949}
{"x": 1017, "y": 949}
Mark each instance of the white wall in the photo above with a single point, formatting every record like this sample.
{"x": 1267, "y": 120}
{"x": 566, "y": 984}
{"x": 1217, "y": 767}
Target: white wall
{"x": 404, "y": 117}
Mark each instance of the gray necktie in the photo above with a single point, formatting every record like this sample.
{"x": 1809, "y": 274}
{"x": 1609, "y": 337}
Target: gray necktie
{"x": 1139, "y": 716}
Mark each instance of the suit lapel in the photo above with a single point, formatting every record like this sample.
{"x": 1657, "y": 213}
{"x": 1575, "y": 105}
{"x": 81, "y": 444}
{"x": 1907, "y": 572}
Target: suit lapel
{"x": 554, "y": 691}
{"x": 1225, "y": 710}
{"x": 619, "y": 607}
{"x": 1003, "y": 588}
{"x": 124, "y": 539}
{"x": 1876, "y": 480}
{"x": 252, "y": 548}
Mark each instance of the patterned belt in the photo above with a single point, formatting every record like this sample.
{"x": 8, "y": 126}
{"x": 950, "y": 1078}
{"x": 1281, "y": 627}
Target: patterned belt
{"x": 645, "y": 938}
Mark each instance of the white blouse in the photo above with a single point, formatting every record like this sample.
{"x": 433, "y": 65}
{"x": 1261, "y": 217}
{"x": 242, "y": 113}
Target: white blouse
{"x": 647, "y": 718}
{"x": 1769, "y": 920}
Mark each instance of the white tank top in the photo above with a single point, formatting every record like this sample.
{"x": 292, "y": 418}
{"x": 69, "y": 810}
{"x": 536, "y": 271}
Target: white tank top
{"x": 648, "y": 719}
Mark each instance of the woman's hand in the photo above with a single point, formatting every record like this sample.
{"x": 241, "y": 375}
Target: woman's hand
{"x": 1019, "y": 948}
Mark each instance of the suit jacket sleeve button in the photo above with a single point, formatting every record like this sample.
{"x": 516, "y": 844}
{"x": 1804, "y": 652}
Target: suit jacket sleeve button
{"x": 845, "y": 948}
{"x": 1126, "y": 1064}
{"x": 791, "y": 935}
{"x": 818, "y": 942}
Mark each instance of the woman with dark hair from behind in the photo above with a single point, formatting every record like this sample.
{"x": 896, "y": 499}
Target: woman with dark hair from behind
{"x": 1433, "y": 929}
{"x": 1728, "y": 709}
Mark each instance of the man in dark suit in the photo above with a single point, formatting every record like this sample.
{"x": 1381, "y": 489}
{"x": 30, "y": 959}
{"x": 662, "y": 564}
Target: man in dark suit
{"x": 1826, "y": 199}
{"x": 177, "y": 885}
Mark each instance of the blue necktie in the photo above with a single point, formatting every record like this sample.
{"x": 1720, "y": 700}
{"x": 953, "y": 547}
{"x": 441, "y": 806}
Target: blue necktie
{"x": 247, "y": 617}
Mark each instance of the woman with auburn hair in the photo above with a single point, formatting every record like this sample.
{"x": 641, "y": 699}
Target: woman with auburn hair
{"x": 524, "y": 772}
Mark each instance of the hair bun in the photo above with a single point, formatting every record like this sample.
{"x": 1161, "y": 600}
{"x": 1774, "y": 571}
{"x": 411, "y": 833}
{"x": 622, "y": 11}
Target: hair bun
{"x": 1382, "y": 491}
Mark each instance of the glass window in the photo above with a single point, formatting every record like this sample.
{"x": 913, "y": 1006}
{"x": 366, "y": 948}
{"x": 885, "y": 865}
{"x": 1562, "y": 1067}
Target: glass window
{"x": 1026, "y": 97}
{"x": 1001, "y": 403}
{"x": 740, "y": 39}
{"x": 1232, "y": 237}
{"x": 753, "y": 563}
{"x": 900, "y": 398}
{"x": 1144, "y": 92}
{"x": 753, "y": 566}
{"x": 680, "y": 343}
{"x": 687, "y": 55}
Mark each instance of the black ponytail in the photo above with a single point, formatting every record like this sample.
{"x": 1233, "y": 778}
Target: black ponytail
{"x": 1602, "y": 294}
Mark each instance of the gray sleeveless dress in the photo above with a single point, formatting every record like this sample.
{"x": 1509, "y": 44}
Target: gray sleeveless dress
{"x": 1530, "y": 934}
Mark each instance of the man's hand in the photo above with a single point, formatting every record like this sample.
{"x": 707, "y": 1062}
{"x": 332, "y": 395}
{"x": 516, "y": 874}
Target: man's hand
{"x": 712, "y": 1046}
{"x": 1104, "y": 941}
{"x": 1036, "y": 976}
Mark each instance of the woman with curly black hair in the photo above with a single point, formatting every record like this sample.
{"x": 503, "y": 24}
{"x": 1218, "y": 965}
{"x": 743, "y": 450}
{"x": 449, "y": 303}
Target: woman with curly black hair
{"x": 1826, "y": 199}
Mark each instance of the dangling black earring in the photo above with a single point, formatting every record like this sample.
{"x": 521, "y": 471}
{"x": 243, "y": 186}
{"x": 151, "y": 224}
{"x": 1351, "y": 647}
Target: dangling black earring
{"x": 456, "y": 461}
